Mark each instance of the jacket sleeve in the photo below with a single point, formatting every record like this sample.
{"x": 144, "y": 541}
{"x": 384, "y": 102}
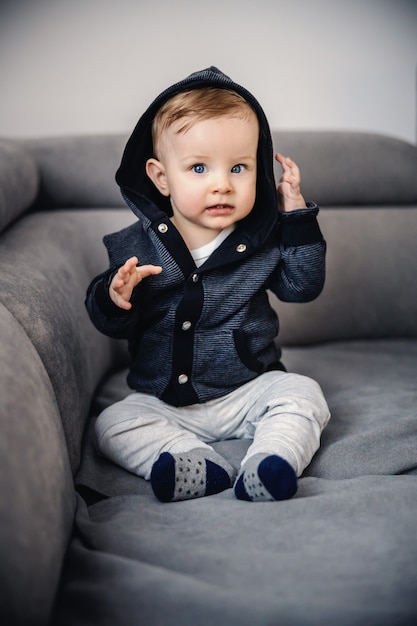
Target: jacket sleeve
{"x": 106, "y": 316}
{"x": 300, "y": 274}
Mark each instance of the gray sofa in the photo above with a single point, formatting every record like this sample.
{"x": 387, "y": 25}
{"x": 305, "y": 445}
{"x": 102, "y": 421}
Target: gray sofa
{"x": 83, "y": 542}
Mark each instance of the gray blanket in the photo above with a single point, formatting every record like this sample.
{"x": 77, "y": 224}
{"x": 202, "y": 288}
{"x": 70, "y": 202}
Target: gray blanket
{"x": 343, "y": 551}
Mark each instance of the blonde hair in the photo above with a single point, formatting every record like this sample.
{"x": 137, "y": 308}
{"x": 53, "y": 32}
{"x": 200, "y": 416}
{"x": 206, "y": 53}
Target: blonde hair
{"x": 196, "y": 105}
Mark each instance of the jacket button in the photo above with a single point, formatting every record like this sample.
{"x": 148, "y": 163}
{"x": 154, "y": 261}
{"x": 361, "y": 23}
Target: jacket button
{"x": 162, "y": 228}
{"x": 194, "y": 278}
{"x": 182, "y": 379}
{"x": 186, "y": 325}
{"x": 241, "y": 247}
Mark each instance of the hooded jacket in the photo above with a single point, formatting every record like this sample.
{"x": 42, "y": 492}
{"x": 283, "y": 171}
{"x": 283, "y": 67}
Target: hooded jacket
{"x": 196, "y": 334}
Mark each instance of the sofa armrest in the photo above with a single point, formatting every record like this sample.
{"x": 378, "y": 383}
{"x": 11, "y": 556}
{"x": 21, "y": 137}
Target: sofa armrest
{"x": 37, "y": 495}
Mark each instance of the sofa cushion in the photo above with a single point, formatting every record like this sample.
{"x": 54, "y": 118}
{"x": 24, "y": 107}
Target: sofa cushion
{"x": 342, "y": 551}
{"x": 347, "y": 168}
{"x": 37, "y": 495}
{"x": 371, "y": 270}
{"x": 19, "y": 181}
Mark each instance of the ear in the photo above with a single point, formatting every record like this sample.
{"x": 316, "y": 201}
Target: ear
{"x": 156, "y": 172}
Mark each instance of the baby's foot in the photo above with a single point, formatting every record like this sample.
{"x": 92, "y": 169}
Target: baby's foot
{"x": 193, "y": 474}
{"x": 266, "y": 478}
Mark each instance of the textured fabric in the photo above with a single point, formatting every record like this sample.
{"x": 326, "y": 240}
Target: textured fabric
{"x": 194, "y": 474}
{"x": 284, "y": 414}
{"x": 339, "y": 552}
{"x": 265, "y": 478}
{"x": 347, "y": 168}
{"x": 343, "y": 550}
{"x": 201, "y": 254}
{"x": 19, "y": 181}
{"x": 232, "y": 326}
{"x": 37, "y": 497}
{"x": 338, "y": 168}
{"x": 46, "y": 261}
{"x": 372, "y": 392}
{"x": 370, "y": 289}
{"x": 372, "y": 395}
{"x": 77, "y": 171}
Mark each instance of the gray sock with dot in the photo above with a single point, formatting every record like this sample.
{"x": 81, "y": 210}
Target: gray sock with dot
{"x": 183, "y": 476}
{"x": 266, "y": 478}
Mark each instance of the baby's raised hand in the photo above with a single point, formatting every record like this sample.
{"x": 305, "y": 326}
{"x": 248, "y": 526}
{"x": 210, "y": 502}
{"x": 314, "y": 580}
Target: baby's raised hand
{"x": 125, "y": 280}
{"x": 289, "y": 192}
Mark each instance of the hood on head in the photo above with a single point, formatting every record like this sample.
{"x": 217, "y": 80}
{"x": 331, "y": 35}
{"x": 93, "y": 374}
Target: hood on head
{"x": 131, "y": 175}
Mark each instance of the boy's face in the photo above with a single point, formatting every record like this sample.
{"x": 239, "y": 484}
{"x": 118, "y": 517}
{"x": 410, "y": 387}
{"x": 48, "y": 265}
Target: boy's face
{"x": 209, "y": 172}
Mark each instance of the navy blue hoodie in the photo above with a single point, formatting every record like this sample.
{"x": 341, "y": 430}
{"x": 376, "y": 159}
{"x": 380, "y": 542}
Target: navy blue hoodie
{"x": 199, "y": 333}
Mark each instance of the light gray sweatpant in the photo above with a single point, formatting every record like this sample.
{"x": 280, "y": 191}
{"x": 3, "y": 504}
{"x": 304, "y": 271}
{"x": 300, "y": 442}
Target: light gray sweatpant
{"x": 283, "y": 413}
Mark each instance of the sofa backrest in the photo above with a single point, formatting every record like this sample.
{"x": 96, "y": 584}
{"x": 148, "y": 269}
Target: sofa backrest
{"x": 78, "y": 171}
{"x": 366, "y": 186}
{"x": 344, "y": 169}
{"x": 19, "y": 181}
{"x": 370, "y": 289}
{"x": 339, "y": 169}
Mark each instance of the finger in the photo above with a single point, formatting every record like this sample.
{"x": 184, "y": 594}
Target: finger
{"x": 148, "y": 270}
{"x": 117, "y": 281}
{"x": 128, "y": 266}
{"x": 286, "y": 162}
{"x": 123, "y": 304}
{"x": 286, "y": 166}
{"x": 290, "y": 162}
{"x": 119, "y": 300}
{"x": 280, "y": 158}
{"x": 121, "y": 278}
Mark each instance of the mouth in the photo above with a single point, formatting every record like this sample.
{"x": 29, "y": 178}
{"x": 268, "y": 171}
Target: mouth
{"x": 220, "y": 209}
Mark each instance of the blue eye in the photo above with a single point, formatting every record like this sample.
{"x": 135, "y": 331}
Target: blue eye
{"x": 237, "y": 169}
{"x": 199, "y": 168}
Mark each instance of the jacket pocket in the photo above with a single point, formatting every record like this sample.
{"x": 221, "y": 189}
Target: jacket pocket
{"x": 246, "y": 356}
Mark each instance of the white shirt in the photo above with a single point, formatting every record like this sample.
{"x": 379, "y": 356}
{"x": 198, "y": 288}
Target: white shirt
{"x": 200, "y": 255}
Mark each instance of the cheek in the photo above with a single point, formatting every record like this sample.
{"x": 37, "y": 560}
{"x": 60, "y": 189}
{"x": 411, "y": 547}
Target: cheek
{"x": 250, "y": 194}
{"x": 186, "y": 197}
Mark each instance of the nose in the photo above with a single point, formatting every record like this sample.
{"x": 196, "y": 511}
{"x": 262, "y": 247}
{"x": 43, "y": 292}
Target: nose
{"x": 222, "y": 183}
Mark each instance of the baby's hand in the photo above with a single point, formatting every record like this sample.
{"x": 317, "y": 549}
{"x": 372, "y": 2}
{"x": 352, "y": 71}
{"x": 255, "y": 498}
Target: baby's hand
{"x": 289, "y": 193}
{"x": 126, "y": 279}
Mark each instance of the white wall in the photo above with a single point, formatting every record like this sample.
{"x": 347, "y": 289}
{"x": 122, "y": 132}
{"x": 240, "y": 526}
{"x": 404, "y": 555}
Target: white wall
{"x": 76, "y": 66}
